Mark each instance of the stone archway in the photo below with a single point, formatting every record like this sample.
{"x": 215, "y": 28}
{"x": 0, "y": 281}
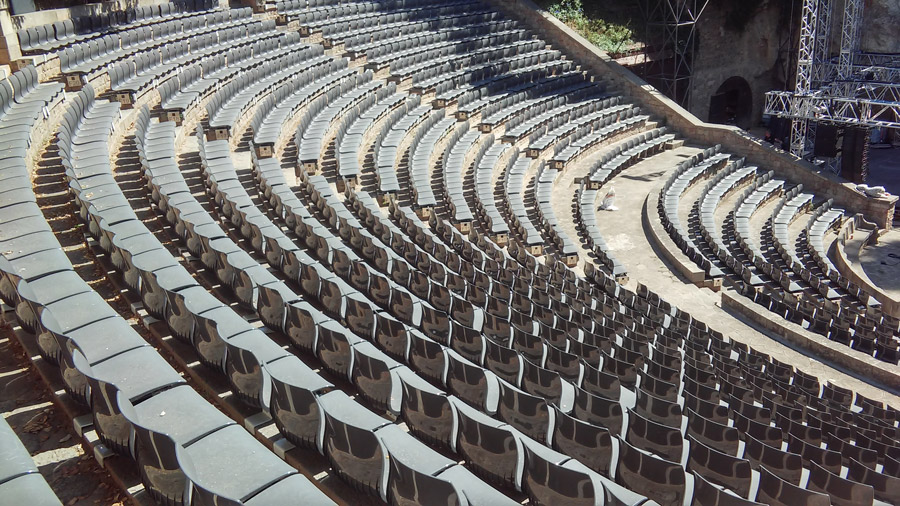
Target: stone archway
{"x": 732, "y": 103}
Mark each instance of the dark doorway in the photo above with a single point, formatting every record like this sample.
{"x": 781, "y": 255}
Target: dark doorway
{"x": 732, "y": 104}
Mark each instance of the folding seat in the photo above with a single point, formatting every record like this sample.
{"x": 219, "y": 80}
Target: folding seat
{"x": 183, "y": 305}
{"x": 472, "y": 383}
{"x": 787, "y": 466}
{"x": 850, "y": 451}
{"x": 654, "y": 437}
{"x": 712, "y": 433}
{"x": 428, "y": 357}
{"x": 626, "y": 371}
{"x": 707, "y": 494}
{"x": 657, "y": 409}
{"x": 598, "y": 410}
{"x": 843, "y": 492}
{"x": 777, "y": 492}
{"x": 662, "y": 481}
{"x": 720, "y": 468}
{"x": 764, "y": 432}
{"x": 887, "y": 488}
{"x": 528, "y": 413}
{"x": 588, "y": 353}
{"x": 550, "y": 477}
{"x": 380, "y": 290}
{"x": 588, "y": 443}
{"x": 498, "y": 329}
{"x": 601, "y": 383}
{"x": 491, "y": 447}
{"x": 135, "y": 374}
{"x": 391, "y": 335}
{"x": 418, "y": 484}
{"x": 66, "y": 315}
{"x": 658, "y": 387}
{"x": 293, "y": 404}
{"x": 567, "y": 365}
{"x": 403, "y": 307}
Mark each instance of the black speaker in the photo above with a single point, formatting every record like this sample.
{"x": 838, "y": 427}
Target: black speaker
{"x": 826, "y": 141}
{"x": 855, "y": 154}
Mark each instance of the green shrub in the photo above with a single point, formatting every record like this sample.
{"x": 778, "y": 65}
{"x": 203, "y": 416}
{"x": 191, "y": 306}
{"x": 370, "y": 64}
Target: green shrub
{"x": 608, "y": 36}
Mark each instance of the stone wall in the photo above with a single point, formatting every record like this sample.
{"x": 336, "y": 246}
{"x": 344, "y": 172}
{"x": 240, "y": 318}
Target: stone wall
{"x": 722, "y": 53}
{"x": 880, "y": 21}
{"x": 732, "y": 139}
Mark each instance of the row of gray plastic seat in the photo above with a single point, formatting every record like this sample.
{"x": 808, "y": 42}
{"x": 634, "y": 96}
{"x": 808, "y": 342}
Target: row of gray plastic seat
{"x": 761, "y": 190}
{"x": 389, "y": 138}
{"x": 30, "y": 251}
{"x": 315, "y": 125}
{"x": 686, "y": 174}
{"x": 586, "y": 137}
{"x": 574, "y": 87}
{"x": 549, "y": 116}
{"x": 513, "y": 72}
{"x": 90, "y": 58}
{"x": 278, "y": 106}
{"x": 487, "y": 159}
{"x": 453, "y": 164}
{"x": 479, "y": 99}
{"x": 824, "y": 218}
{"x": 470, "y": 67}
{"x": 721, "y": 184}
{"x": 337, "y": 29}
{"x": 145, "y": 70}
{"x": 350, "y": 143}
{"x": 396, "y": 30}
{"x": 195, "y": 445}
{"x": 242, "y": 92}
{"x": 428, "y": 134}
{"x": 514, "y": 184}
{"x": 543, "y": 196}
{"x": 50, "y": 37}
{"x": 579, "y": 122}
{"x": 291, "y": 380}
{"x": 520, "y": 456}
{"x": 390, "y": 51}
{"x": 191, "y": 84}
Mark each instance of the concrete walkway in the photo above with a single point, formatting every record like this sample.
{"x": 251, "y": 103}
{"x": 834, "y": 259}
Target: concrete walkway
{"x": 881, "y": 262}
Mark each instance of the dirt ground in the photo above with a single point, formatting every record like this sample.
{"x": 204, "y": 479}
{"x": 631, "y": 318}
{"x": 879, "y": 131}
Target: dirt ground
{"x": 25, "y": 403}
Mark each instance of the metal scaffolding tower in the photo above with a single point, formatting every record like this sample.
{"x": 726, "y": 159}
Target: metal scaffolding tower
{"x": 676, "y": 21}
{"x": 851, "y": 89}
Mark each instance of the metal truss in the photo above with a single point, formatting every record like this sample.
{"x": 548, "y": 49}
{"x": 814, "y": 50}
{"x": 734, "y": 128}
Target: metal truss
{"x": 676, "y": 20}
{"x": 850, "y": 89}
{"x": 852, "y": 111}
{"x": 853, "y": 10}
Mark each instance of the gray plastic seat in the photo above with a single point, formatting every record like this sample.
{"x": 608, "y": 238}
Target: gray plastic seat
{"x": 777, "y": 492}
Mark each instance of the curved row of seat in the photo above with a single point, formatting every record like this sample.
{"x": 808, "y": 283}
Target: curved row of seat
{"x": 536, "y": 380}
{"x": 774, "y": 274}
{"x": 454, "y": 164}
{"x": 50, "y": 37}
{"x": 612, "y": 163}
{"x": 30, "y": 252}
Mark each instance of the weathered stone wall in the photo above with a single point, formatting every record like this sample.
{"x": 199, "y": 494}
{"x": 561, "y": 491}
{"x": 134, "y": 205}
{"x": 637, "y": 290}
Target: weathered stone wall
{"x": 722, "y": 53}
{"x": 881, "y": 20}
{"x": 733, "y": 140}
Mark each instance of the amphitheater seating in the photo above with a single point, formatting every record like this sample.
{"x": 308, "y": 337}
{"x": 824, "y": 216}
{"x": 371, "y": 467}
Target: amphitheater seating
{"x": 430, "y": 353}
